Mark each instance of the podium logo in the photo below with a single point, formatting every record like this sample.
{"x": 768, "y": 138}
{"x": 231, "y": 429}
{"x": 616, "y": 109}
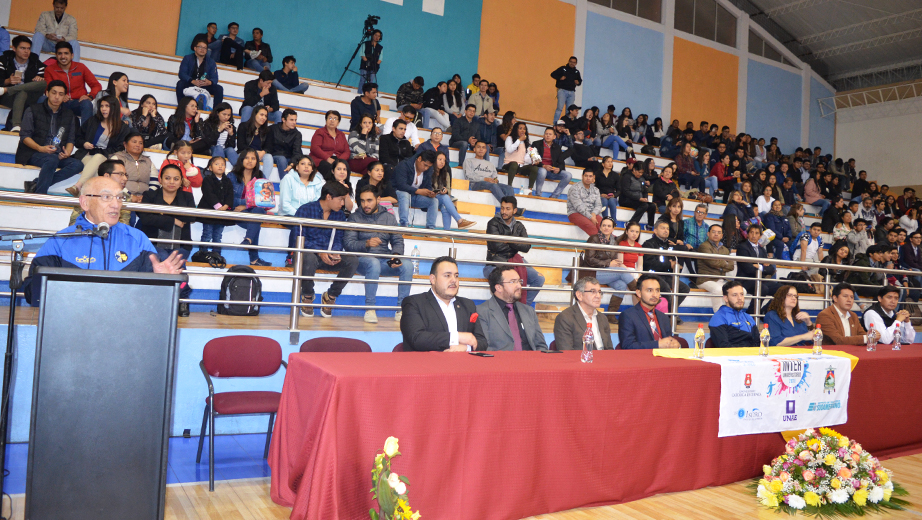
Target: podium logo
{"x": 751, "y": 415}
{"x": 790, "y": 376}
{"x": 790, "y": 411}
{"x": 824, "y": 406}
{"x": 829, "y": 383}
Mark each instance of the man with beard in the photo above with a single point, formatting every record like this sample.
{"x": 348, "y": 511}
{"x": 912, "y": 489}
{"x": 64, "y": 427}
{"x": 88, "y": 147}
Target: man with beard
{"x": 731, "y": 326}
{"x": 642, "y": 326}
{"x": 508, "y": 323}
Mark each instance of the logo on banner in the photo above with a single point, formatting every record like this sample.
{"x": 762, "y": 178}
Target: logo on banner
{"x": 790, "y": 377}
{"x": 829, "y": 383}
{"x": 748, "y": 380}
{"x": 752, "y": 415}
{"x": 791, "y": 411}
{"x": 824, "y": 406}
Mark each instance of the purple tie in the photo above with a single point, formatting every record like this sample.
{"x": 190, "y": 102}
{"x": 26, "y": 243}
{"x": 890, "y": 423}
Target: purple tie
{"x": 514, "y": 327}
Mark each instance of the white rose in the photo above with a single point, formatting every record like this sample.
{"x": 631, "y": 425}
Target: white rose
{"x": 839, "y": 496}
{"x": 390, "y": 446}
{"x": 401, "y": 488}
{"x": 392, "y": 480}
{"x": 796, "y": 502}
{"x": 876, "y": 494}
{"x": 889, "y": 485}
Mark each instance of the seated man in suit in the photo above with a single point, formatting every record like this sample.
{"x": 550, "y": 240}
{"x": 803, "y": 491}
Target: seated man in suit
{"x": 642, "y": 326}
{"x": 508, "y": 323}
{"x": 439, "y": 319}
{"x": 730, "y": 326}
{"x": 840, "y": 325}
{"x": 570, "y": 324}
{"x": 748, "y": 271}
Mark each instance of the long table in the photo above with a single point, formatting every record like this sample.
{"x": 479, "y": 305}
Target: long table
{"x": 526, "y": 433}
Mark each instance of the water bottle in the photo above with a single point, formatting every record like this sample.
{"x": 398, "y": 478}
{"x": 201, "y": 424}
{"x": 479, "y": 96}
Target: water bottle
{"x": 415, "y": 255}
{"x": 56, "y": 141}
{"x": 764, "y": 338}
{"x": 588, "y": 344}
{"x": 897, "y": 337}
{"x": 817, "y": 341}
{"x": 872, "y": 338}
{"x": 699, "y": 342}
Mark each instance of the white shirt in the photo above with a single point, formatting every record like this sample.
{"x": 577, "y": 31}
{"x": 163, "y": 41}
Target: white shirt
{"x": 596, "y": 336}
{"x": 812, "y": 249}
{"x": 448, "y": 309}
{"x": 846, "y": 326}
{"x": 765, "y": 206}
{"x": 886, "y": 334}
{"x": 418, "y": 179}
{"x": 412, "y": 133}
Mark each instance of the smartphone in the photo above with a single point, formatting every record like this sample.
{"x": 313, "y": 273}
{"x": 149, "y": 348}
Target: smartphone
{"x": 481, "y": 354}
{"x": 552, "y": 351}
{"x": 18, "y": 73}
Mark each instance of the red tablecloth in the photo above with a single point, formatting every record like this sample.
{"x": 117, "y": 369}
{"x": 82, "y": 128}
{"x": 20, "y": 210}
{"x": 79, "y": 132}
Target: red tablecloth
{"x": 525, "y": 433}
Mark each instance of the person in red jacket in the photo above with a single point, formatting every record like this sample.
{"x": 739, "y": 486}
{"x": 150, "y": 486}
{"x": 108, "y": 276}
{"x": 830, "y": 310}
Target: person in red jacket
{"x": 82, "y": 85}
{"x": 329, "y": 144}
{"x": 725, "y": 178}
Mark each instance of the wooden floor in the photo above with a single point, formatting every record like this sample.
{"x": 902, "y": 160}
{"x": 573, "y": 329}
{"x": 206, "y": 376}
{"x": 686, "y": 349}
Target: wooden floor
{"x": 249, "y": 499}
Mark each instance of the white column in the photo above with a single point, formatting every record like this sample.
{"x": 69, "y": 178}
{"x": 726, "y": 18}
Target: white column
{"x": 742, "y": 47}
{"x": 668, "y": 49}
{"x": 805, "y": 107}
{"x": 579, "y": 43}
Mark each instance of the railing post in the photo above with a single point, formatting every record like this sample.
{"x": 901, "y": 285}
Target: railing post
{"x": 757, "y": 303}
{"x": 296, "y": 264}
{"x": 675, "y": 295}
{"x": 826, "y": 299}
{"x": 575, "y": 275}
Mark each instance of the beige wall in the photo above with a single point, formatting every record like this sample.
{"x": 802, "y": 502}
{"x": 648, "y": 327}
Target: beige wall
{"x": 884, "y": 140}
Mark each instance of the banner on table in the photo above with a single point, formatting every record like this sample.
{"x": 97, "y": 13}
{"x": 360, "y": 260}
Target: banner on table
{"x": 779, "y": 393}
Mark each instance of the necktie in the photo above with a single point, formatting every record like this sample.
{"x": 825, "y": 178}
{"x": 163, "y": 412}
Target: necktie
{"x": 653, "y": 326}
{"x": 514, "y": 327}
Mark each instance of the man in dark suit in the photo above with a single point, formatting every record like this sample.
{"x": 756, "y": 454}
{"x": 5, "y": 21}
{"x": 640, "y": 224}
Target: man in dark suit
{"x": 911, "y": 256}
{"x": 748, "y": 271}
{"x": 508, "y": 323}
{"x": 440, "y": 319}
{"x": 642, "y": 326}
{"x": 570, "y": 324}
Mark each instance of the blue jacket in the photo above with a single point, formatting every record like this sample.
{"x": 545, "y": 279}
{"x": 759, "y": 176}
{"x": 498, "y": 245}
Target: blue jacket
{"x": 781, "y": 329}
{"x": 779, "y": 225}
{"x": 730, "y": 328}
{"x": 125, "y": 249}
{"x": 404, "y": 174}
{"x": 188, "y": 66}
{"x": 634, "y": 330}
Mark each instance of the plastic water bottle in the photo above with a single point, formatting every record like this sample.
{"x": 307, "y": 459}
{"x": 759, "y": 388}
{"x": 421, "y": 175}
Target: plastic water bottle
{"x": 817, "y": 341}
{"x": 764, "y": 339}
{"x": 699, "y": 341}
{"x": 897, "y": 338}
{"x": 415, "y": 255}
{"x": 872, "y": 338}
{"x": 588, "y": 344}
{"x": 56, "y": 141}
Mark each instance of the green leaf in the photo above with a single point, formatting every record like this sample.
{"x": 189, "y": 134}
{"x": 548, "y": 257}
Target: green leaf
{"x": 404, "y": 479}
{"x": 373, "y": 514}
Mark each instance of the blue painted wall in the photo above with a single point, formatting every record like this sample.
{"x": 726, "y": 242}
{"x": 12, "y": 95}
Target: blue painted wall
{"x": 773, "y": 102}
{"x": 822, "y": 129}
{"x": 623, "y": 66}
{"x": 322, "y": 34}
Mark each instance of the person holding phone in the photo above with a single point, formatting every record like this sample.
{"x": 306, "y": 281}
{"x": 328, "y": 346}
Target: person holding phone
{"x": 22, "y": 76}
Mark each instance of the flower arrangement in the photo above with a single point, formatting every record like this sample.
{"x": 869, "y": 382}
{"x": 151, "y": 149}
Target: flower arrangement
{"x": 388, "y": 488}
{"x": 822, "y": 473}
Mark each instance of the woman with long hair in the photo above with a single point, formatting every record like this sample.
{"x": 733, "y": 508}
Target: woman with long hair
{"x": 219, "y": 127}
{"x": 517, "y": 157}
{"x": 796, "y": 219}
{"x": 101, "y": 135}
{"x": 387, "y": 195}
{"x": 839, "y": 254}
{"x": 148, "y": 122}
{"x": 608, "y": 181}
{"x": 453, "y": 100}
{"x": 247, "y": 169}
{"x": 631, "y": 238}
{"x": 441, "y": 185}
{"x": 339, "y": 172}
{"x": 655, "y": 132}
{"x": 186, "y": 125}
{"x": 117, "y": 88}
{"x": 252, "y": 134}
{"x": 703, "y": 167}
{"x": 363, "y": 143}
{"x": 843, "y": 228}
{"x": 787, "y": 324}
{"x": 673, "y": 217}
{"x": 612, "y": 271}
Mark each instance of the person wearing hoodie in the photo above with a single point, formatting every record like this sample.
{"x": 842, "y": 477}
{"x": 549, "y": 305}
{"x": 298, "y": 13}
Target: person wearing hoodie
{"x": 778, "y": 223}
{"x": 379, "y": 243}
{"x": 260, "y": 91}
{"x": 730, "y": 326}
{"x": 482, "y": 175}
{"x": 283, "y": 142}
{"x": 433, "y": 106}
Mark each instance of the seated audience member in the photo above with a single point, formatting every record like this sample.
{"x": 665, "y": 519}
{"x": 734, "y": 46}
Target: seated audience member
{"x": 260, "y": 92}
{"x": 911, "y": 255}
{"x": 148, "y": 122}
{"x": 408, "y": 115}
{"x": 839, "y": 255}
{"x": 374, "y": 176}
{"x": 283, "y": 143}
{"x": 247, "y": 169}
{"x": 441, "y": 186}
{"x": 209, "y": 36}
{"x": 571, "y": 323}
{"x": 507, "y": 323}
{"x": 886, "y": 320}
{"x": 779, "y": 224}
{"x": 731, "y": 326}
{"x": 904, "y": 202}
{"x": 787, "y": 324}
{"x": 22, "y": 76}
{"x": 551, "y": 166}
{"x": 481, "y": 174}
{"x": 506, "y": 225}
{"x": 199, "y": 70}
{"x": 439, "y": 319}
{"x": 413, "y": 181}
{"x": 296, "y": 190}
{"x": 252, "y": 134}
{"x": 41, "y": 124}
{"x": 219, "y": 129}
{"x": 608, "y": 181}
{"x": 328, "y": 207}
{"x": 100, "y": 136}
{"x": 363, "y": 144}
{"x": 114, "y": 169}
{"x": 118, "y": 88}
{"x": 664, "y": 265}
{"x": 367, "y": 103}
{"x": 642, "y": 326}
{"x": 101, "y": 202}
{"x": 286, "y": 78}
{"x": 665, "y": 188}
{"x": 840, "y": 325}
{"x": 379, "y": 243}
{"x": 833, "y": 215}
{"x": 710, "y": 266}
{"x": 434, "y": 143}
{"x": 813, "y": 195}
{"x": 432, "y": 107}
{"x": 328, "y": 144}
{"x": 615, "y": 274}
{"x": 81, "y": 83}
{"x": 489, "y": 132}
{"x": 910, "y": 220}
{"x": 411, "y": 93}
{"x": 696, "y": 229}
{"x": 881, "y": 232}
{"x": 256, "y": 53}
{"x": 872, "y": 257}
{"x": 749, "y": 271}
{"x": 180, "y": 155}
{"x": 516, "y": 156}
{"x": 454, "y": 100}
{"x": 673, "y": 217}
{"x": 464, "y": 132}
{"x": 859, "y": 239}
{"x": 231, "y": 51}
{"x": 55, "y": 27}
{"x": 218, "y": 195}
{"x": 634, "y": 195}
{"x": 394, "y": 148}
{"x": 140, "y": 169}
{"x": 584, "y": 204}
{"x": 811, "y": 247}
{"x": 482, "y": 101}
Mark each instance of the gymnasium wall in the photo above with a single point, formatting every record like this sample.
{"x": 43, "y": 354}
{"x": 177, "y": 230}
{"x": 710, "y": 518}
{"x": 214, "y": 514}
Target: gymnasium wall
{"x": 773, "y": 104}
{"x": 704, "y": 85}
{"x": 822, "y": 129}
{"x": 322, "y": 34}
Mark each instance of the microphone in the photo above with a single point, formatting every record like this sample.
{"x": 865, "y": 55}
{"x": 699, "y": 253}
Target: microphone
{"x": 102, "y": 230}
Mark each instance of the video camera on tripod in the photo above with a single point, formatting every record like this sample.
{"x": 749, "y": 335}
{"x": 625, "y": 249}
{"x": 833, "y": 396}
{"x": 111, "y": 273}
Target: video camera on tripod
{"x": 370, "y": 24}
{"x": 367, "y": 34}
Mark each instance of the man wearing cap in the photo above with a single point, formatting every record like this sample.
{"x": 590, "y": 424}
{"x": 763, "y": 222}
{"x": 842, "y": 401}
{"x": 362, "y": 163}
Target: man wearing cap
{"x": 568, "y": 78}
{"x": 569, "y": 120}
{"x": 563, "y": 139}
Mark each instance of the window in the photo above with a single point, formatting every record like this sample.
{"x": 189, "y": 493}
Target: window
{"x": 648, "y": 9}
{"x": 707, "y": 19}
{"x": 760, "y": 47}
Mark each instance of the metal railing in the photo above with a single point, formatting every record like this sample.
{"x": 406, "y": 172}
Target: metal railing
{"x": 295, "y": 304}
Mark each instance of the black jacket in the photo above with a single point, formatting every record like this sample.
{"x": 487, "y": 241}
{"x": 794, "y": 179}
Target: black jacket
{"x": 610, "y": 184}
{"x": 286, "y": 143}
{"x": 251, "y": 96}
{"x": 632, "y": 189}
{"x": 658, "y": 263}
{"x": 152, "y": 223}
{"x": 210, "y": 134}
{"x": 424, "y": 327}
{"x": 748, "y": 269}
{"x": 662, "y": 188}
{"x": 34, "y": 68}
{"x": 503, "y": 251}
{"x": 433, "y": 99}
{"x": 557, "y": 155}
{"x": 570, "y": 77}
{"x": 215, "y": 191}
{"x": 391, "y": 150}
{"x": 176, "y": 128}
{"x": 43, "y": 132}
{"x": 264, "y": 47}
{"x": 462, "y": 129}
{"x": 832, "y": 217}
{"x": 87, "y": 133}
{"x": 581, "y": 153}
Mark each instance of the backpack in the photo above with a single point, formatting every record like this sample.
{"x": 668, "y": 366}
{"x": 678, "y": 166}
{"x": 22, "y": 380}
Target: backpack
{"x": 240, "y": 288}
{"x": 801, "y": 282}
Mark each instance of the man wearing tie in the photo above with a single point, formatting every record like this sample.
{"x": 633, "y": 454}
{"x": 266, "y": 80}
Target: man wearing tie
{"x": 642, "y": 326}
{"x": 508, "y": 323}
{"x": 439, "y": 319}
{"x": 748, "y": 271}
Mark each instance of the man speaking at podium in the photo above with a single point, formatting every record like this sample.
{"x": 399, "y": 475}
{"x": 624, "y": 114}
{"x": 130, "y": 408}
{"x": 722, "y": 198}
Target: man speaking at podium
{"x": 108, "y": 246}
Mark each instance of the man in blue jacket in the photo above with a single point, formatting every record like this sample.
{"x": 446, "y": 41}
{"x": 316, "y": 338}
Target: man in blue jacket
{"x": 413, "y": 182}
{"x": 642, "y": 326}
{"x": 199, "y": 70}
{"x": 730, "y": 326}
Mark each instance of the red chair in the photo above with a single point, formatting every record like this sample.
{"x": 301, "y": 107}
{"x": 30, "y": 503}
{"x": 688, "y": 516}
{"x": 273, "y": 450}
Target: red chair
{"x": 553, "y": 345}
{"x": 238, "y": 356}
{"x": 682, "y": 342}
{"x": 398, "y": 347}
{"x": 331, "y": 344}
{"x": 709, "y": 343}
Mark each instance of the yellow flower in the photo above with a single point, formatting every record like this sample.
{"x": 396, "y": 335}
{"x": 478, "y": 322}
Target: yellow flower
{"x": 415, "y": 516}
{"x": 813, "y": 442}
{"x": 887, "y": 493}
{"x": 776, "y": 486}
{"x": 828, "y": 432}
{"x": 770, "y": 501}
{"x": 843, "y": 442}
{"x": 861, "y": 497}
{"x": 764, "y": 483}
{"x": 767, "y": 469}
{"x": 830, "y": 459}
{"x": 835, "y": 483}
{"x": 390, "y": 446}
{"x": 811, "y": 498}
{"x": 882, "y": 476}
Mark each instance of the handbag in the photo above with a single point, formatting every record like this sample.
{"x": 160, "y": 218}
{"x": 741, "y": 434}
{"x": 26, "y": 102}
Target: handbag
{"x": 202, "y": 97}
{"x": 785, "y": 253}
{"x": 260, "y": 194}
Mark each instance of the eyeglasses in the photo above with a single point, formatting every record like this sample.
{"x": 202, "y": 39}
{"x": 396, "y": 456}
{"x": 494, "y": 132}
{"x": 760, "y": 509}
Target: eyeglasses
{"x": 793, "y": 296}
{"x": 201, "y": 48}
{"x": 594, "y": 292}
{"x": 515, "y": 282}
{"x": 700, "y": 212}
{"x": 105, "y": 197}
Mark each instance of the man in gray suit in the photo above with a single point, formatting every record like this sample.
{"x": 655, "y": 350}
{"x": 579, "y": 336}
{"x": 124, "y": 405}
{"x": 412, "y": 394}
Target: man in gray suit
{"x": 508, "y": 323}
{"x": 570, "y": 324}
